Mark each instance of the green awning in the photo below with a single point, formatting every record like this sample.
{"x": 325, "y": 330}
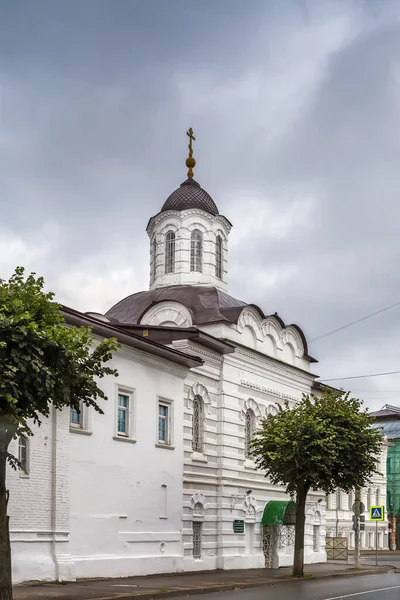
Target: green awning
{"x": 279, "y": 512}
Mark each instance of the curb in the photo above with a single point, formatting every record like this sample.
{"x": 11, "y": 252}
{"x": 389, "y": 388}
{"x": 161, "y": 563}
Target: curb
{"x": 229, "y": 588}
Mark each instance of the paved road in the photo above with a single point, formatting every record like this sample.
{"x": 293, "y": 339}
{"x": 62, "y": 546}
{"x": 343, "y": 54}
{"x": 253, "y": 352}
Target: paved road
{"x": 372, "y": 587}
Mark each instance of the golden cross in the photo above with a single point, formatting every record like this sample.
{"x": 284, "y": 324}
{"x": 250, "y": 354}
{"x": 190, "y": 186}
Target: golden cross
{"x": 191, "y": 138}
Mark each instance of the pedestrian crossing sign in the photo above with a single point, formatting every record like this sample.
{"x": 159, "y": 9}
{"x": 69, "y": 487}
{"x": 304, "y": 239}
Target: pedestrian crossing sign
{"x": 377, "y": 513}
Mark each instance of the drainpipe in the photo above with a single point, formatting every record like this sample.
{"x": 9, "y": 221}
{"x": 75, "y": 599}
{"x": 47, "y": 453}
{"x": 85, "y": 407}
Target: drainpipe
{"x": 54, "y": 491}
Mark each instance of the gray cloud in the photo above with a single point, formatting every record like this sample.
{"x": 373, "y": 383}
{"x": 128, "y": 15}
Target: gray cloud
{"x": 295, "y": 107}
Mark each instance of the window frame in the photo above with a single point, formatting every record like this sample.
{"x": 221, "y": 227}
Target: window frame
{"x": 197, "y": 525}
{"x": 154, "y": 249}
{"x": 249, "y": 431}
{"x": 198, "y": 446}
{"x": 168, "y": 404}
{"x": 218, "y": 257}
{"x": 80, "y": 424}
{"x": 196, "y": 251}
{"x": 170, "y": 245}
{"x": 129, "y": 434}
{"x": 24, "y": 470}
{"x": 316, "y": 536}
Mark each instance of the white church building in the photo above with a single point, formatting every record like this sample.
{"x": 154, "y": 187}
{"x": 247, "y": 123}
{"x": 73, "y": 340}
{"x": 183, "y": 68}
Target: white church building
{"x": 164, "y": 481}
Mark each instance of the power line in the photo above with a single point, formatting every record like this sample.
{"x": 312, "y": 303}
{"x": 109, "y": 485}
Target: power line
{"x": 376, "y": 391}
{"x": 360, "y": 376}
{"x": 377, "y": 312}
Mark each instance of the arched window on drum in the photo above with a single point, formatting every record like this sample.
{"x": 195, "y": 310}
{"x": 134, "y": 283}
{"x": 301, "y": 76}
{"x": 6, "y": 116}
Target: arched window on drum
{"x": 218, "y": 257}
{"x": 154, "y": 248}
{"x": 196, "y": 251}
{"x": 170, "y": 252}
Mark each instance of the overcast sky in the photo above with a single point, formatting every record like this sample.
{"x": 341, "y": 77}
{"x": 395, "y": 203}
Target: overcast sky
{"x": 296, "y": 110}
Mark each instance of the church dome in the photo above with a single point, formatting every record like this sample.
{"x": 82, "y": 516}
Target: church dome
{"x": 190, "y": 195}
{"x": 207, "y": 304}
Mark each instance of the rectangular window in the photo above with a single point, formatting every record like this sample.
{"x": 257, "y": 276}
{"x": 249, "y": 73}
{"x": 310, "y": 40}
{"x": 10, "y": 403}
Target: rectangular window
{"x": 75, "y": 417}
{"x": 23, "y": 454}
{"x": 196, "y": 539}
{"x": 123, "y": 414}
{"x": 163, "y": 424}
{"x": 315, "y": 538}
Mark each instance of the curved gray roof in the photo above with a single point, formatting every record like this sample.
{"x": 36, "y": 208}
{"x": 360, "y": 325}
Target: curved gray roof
{"x": 190, "y": 195}
{"x": 206, "y": 304}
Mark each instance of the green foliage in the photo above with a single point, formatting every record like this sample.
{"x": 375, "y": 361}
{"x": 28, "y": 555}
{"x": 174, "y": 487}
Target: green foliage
{"x": 319, "y": 443}
{"x": 43, "y": 362}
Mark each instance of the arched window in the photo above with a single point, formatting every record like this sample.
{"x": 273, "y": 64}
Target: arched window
{"x": 249, "y": 428}
{"x": 23, "y": 454}
{"x": 154, "y": 257}
{"x": 196, "y": 251}
{"x": 197, "y": 425}
{"x": 369, "y": 498}
{"x": 378, "y": 497}
{"x": 338, "y": 499}
{"x": 170, "y": 252}
{"x": 218, "y": 257}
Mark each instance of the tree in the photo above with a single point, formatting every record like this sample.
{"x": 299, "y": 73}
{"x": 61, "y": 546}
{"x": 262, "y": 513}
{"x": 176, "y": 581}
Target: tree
{"x": 320, "y": 443}
{"x": 43, "y": 364}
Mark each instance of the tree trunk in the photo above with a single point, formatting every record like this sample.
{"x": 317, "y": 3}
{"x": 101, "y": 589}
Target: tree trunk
{"x": 298, "y": 563}
{"x": 5, "y": 546}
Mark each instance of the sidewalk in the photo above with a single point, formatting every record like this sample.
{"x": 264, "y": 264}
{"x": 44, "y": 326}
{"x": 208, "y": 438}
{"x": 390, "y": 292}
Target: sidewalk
{"x": 182, "y": 584}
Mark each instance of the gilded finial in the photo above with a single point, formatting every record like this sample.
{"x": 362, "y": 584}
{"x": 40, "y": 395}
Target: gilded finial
{"x": 190, "y": 162}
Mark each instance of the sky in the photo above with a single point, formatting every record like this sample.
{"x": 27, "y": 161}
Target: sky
{"x": 296, "y": 111}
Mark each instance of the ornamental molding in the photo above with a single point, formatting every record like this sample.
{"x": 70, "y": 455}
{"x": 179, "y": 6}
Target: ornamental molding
{"x": 261, "y": 388}
{"x": 198, "y": 389}
{"x": 183, "y": 214}
{"x": 250, "y": 318}
{"x": 184, "y": 346}
{"x": 250, "y": 507}
{"x": 216, "y": 357}
{"x": 271, "y": 409}
{"x": 269, "y": 327}
{"x": 196, "y": 499}
{"x": 250, "y": 404}
{"x": 167, "y": 311}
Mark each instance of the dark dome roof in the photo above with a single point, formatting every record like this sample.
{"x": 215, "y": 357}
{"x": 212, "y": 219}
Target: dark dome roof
{"x": 190, "y": 195}
{"x": 206, "y": 304}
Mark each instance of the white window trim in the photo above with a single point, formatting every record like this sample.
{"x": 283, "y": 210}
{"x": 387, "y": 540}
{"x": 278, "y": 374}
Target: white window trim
{"x": 170, "y": 423}
{"x": 25, "y": 474}
{"x": 129, "y": 436}
{"x": 83, "y": 427}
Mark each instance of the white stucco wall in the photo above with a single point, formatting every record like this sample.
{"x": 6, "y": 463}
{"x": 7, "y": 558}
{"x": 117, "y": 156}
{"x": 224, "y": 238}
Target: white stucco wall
{"x": 119, "y": 522}
{"x": 182, "y": 223}
{"x": 220, "y": 477}
{"x": 94, "y": 505}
